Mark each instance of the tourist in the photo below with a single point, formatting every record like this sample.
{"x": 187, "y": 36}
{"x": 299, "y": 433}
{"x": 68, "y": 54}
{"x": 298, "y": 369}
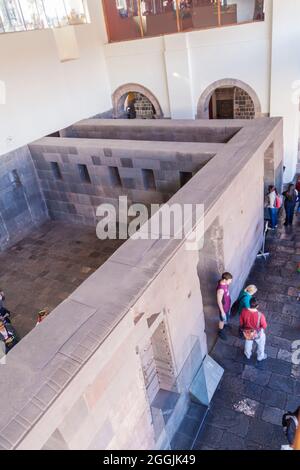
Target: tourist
{"x": 253, "y": 324}
{"x": 290, "y": 423}
{"x": 42, "y": 315}
{"x": 7, "y": 336}
{"x": 224, "y": 302}
{"x": 4, "y": 313}
{"x": 290, "y": 201}
{"x": 272, "y": 206}
{"x": 131, "y": 111}
{"x": 298, "y": 190}
{"x": 245, "y": 297}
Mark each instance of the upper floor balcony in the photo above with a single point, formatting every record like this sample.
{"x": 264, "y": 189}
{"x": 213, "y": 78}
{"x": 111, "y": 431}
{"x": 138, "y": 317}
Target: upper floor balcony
{"x": 24, "y": 15}
{"x": 134, "y": 19}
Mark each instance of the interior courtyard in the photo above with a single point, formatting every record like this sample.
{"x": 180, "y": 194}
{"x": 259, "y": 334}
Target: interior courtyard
{"x": 166, "y": 105}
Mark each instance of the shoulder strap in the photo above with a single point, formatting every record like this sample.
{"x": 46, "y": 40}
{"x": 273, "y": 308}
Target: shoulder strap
{"x": 258, "y": 320}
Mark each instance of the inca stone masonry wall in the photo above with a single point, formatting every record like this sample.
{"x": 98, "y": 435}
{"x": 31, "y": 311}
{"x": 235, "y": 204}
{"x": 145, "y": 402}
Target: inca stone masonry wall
{"x": 22, "y": 206}
{"x": 87, "y": 388}
{"x": 243, "y": 105}
{"x": 143, "y": 107}
{"x": 201, "y": 131}
{"x": 115, "y": 168}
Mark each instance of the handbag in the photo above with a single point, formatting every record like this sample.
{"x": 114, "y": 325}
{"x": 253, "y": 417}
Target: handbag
{"x": 251, "y": 334}
{"x": 278, "y": 202}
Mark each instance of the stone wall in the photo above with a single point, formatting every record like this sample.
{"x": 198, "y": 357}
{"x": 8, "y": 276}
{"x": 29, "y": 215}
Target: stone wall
{"x": 144, "y": 108}
{"x": 86, "y": 388}
{"x": 22, "y": 206}
{"x": 146, "y": 172}
{"x": 243, "y": 105}
{"x": 154, "y": 130}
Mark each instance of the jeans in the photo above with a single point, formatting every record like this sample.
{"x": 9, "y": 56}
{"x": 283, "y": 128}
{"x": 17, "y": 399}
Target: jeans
{"x": 289, "y": 210}
{"x": 273, "y": 216}
{"x": 261, "y": 343}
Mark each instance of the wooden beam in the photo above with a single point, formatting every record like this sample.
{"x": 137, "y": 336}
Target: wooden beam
{"x": 140, "y": 18}
{"x": 219, "y": 12}
{"x": 178, "y": 16}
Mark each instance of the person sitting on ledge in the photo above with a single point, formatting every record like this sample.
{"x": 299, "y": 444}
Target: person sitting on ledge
{"x": 8, "y": 336}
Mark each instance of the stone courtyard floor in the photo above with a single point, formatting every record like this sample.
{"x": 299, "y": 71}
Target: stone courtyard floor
{"x": 47, "y": 266}
{"x": 247, "y": 408}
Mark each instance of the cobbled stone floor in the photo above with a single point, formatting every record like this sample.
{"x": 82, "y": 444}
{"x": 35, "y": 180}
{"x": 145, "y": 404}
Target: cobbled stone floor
{"x": 47, "y": 266}
{"x": 248, "y": 405}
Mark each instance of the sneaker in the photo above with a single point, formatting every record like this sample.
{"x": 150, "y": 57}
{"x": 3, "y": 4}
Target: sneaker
{"x": 263, "y": 359}
{"x": 222, "y": 335}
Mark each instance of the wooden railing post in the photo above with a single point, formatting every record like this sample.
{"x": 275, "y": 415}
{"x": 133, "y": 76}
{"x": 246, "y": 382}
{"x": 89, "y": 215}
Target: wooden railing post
{"x": 219, "y": 12}
{"x": 178, "y": 16}
{"x": 140, "y": 18}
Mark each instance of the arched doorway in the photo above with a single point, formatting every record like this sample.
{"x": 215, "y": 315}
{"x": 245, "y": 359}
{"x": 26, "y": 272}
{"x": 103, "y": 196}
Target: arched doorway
{"x": 135, "y": 101}
{"x": 228, "y": 99}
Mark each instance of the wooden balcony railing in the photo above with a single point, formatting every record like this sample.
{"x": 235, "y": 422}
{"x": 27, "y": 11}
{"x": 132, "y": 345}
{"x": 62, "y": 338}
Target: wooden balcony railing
{"x": 133, "y": 19}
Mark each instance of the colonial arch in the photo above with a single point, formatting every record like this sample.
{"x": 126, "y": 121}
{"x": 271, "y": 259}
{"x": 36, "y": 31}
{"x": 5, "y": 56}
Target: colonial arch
{"x": 203, "y": 103}
{"x": 122, "y": 91}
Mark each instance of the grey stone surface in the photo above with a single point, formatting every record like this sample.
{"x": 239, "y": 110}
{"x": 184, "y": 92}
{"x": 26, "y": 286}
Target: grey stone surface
{"x": 106, "y": 309}
{"x": 22, "y": 206}
{"x": 55, "y": 258}
{"x": 274, "y": 384}
{"x": 69, "y": 198}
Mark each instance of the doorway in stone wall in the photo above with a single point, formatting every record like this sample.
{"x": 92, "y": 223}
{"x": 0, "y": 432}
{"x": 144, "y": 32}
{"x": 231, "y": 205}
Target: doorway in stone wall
{"x": 210, "y": 269}
{"x": 135, "y": 101}
{"x": 231, "y": 103}
{"x": 228, "y": 98}
{"x": 136, "y": 106}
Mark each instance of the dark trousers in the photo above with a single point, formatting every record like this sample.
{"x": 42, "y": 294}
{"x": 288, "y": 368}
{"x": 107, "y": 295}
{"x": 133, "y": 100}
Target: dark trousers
{"x": 290, "y": 211}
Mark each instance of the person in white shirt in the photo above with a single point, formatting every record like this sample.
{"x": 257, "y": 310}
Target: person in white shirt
{"x": 273, "y": 211}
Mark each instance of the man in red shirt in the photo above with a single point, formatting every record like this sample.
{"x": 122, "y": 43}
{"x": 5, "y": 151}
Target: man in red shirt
{"x": 253, "y": 323}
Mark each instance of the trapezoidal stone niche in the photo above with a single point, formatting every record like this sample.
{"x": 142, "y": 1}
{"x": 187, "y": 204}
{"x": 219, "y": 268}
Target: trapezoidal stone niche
{"x": 143, "y": 103}
{"x": 228, "y": 99}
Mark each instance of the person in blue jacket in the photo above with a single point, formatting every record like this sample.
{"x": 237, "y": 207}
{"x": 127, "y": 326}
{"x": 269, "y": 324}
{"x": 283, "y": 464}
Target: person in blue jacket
{"x": 245, "y": 297}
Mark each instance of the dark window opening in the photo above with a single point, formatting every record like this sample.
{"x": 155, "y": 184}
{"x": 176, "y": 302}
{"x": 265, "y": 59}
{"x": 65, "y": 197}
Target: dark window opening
{"x": 54, "y": 134}
{"x": 84, "y": 173}
{"x": 185, "y": 177}
{"x": 115, "y": 176}
{"x": 56, "y": 170}
{"x": 148, "y": 179}
{"x": 14, "y": 178}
